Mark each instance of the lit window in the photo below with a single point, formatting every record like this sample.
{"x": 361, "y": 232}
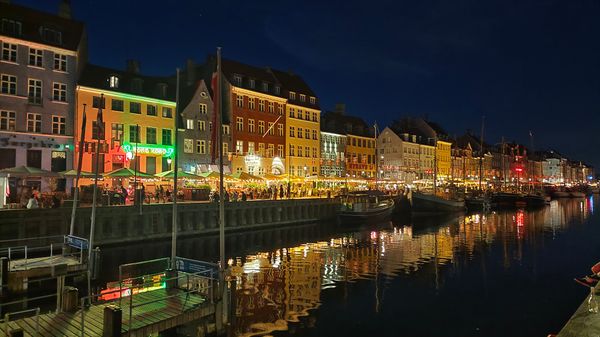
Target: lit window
{"x": 201, "y": 126}
{"x": 8, "y": 120}
{"x": 239, "y": 122}
{"x": 271, "y": 107}
{"x": 190, "y": 124}
{"x": 239, "y": 147}
{"x": 280, "y": 150}
{"x": 34, "y": 122}
{"x": 292, "y": 95}
{"x": 240, "y": 101}
{"x": 203, "y": 108}
{"x": 292, "y": 112}
{"x": 225, "y": 148}
{"x": 271, "y": 150}
{"x": 271, "y": 129}
{"x": 201, "y": 146}
{"x": 250, "y": 147}
{"x": 313, "y": 100}
{"x": 302, "y": 98}
{"x": 188, "y": 145}
{"x": 113, "y": 82}
{"x": 251, "y": 103}
{"x": 167, "y": 112}
{"x": 261, "y": 149}
{"x": 225, "y": 129}
{"x": 280, "y": 109}
{"x": 237, "y": 80}
{"x": 261, "y": 105}
{"x": 251, "y": 125}
{"x": 280, "y": 129}
{"x": 292, "y": 131}
{"x": 261, "y": 127}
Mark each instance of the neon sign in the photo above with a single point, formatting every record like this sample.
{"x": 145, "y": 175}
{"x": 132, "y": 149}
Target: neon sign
{"x": 159, "y": 150}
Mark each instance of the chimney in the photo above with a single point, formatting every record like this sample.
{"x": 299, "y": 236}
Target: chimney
{"x": 340, "y": 108}
{"x": 190, "y": 71}
{"x": 133, "y": 66}
{"x": 64, "y": 9}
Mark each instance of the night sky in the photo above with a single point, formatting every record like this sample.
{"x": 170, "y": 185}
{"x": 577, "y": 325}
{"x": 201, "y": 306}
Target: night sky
{"x": 524, "y": 64}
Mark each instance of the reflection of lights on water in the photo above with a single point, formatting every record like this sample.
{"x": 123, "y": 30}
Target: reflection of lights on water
{"x": 230, "y": 262}
{"x": 591, "y": 204}
{"x": 373, "y": 235}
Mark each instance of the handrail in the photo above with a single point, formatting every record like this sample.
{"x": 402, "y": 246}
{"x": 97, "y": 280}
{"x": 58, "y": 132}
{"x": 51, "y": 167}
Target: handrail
{"x": 31, "y": 238}
{"x": 37, "y": 319}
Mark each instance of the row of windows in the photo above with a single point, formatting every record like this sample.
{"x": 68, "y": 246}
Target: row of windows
{"x": 14, "y": 27}
{"x": 302, "y": 170}
{"x": 190, "y": 123}
{"x": 36, "y": 57}
{"x": 8, "y": 122}
{"x": 8, "y": 86}
{"x": 333, "y": 139}
{"x": 135, "y": 131}
{"x": 202, "y": 146}
{"x": 134, "y": 107}
{"x": 307, "y": 151}
{"x": 250, "y": 103}
{"x": 251, "y": 128}
{"x": 269, "y": 151}
{"x": 360, "y": 158}
{"x": 361, "y": 142}
{"x": 307, "y": 133}
{"x": 306, "y": 115}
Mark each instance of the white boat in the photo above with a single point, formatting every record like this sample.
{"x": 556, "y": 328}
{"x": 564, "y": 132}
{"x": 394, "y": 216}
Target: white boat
{"x": 365, "y": 208}
{"x": 421, "y": 202}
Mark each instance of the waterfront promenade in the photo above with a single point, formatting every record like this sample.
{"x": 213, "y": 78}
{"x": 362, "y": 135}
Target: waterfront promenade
{"x": 583, "y": 323}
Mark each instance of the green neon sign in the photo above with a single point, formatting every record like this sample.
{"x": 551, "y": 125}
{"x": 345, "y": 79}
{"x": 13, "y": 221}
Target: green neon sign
{"x": 159, "y": 150}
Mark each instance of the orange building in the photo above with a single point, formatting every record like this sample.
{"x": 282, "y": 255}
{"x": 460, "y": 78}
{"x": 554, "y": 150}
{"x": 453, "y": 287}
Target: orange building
{"x": 138, "y": 119}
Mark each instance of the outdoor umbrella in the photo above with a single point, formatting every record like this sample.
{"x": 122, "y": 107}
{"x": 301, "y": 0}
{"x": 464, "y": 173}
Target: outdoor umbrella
{"x": 269, "y": 176}
{"x": 127, "y": 173}
{"x": 180, "y": 174}
{"x": 245, "y": 176}
{"x": 214, "y": 175}
{"x": 73, "y": 174}
{"x": 26, "y": 171}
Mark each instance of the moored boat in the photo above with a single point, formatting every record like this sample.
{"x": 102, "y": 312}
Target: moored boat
{"x": 534, "y": 200}
{"x": 560, "y": 194}
{"x": 506, "y": 199}
{"x": 365, "y": 208}
{"x": 576, "y": 194}
{"x": 421, "y": 202}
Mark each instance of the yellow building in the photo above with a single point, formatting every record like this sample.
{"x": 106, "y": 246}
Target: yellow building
{"x": 302, "y": 139}
{"x": 360, "y": 156}
{"x": 443, "y": 159}
{"x": 138, "y": 120}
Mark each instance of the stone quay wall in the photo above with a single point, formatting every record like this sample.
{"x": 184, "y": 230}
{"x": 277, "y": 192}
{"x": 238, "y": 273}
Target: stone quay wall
{"x": 124, "y": 224}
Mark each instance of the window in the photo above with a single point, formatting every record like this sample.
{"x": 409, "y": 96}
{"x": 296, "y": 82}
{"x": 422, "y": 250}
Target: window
{"x": 201, "y": 126}
{"x": 237, "y": 80}
{"x": 277, "y": 90}
{"x": 135, "y": 107}
{"x": 189, "y": 124}
{"x": 299, "y": 150}
{"x": 302, "y": 98}
{"x": 9, "y": 52}
{"x": 51, "y": 35}
{"x": 271, "y": 129}
{"x": 35, "y": 91}
{"x": 239, "y": 123}
{"x": 11, "y": 27}
{"x": 251, "y": 125}
{"x": 8, "y": 120}
{"x": 116, "y": 104}
{"x": 307, "y": 151}
{"x": 280, "y": 150}
{"x": 280, "y": 129}
{"x": 313, "y": 100}
{"x": 116, "y": 132}
{"x": 315, "y": 119}
{"x": 292, "y": 131}
{"x": 251, "y": 103}
{"x": 151, "y": 110}
{"x": 250, "y": 147}
{"x": 134, "y": 136}
{"x": 201, "y": 146}
{"x": 150, "y": 135}
{"x": 291, "y": 150}
{"x": 188, "y": 145}
{"x": 36, "y": 57}
{"x": 261, "y": 105}
{"x": 240, "y": 101}
{"x": 261, "y": 149}
{"x": 314, "y": 134}
{"x": 261, "y": 127}
{"x": 167, "y": 112}
{"x": 239, "y": 147}
{"x": 252, "y": 83}
{"x": 98, "y": 102}
{"x": 60, "y": 62}
{"x": 225, "y": 129}
{"x": 292, "y": 95}
{"x": 59, "y": 92}
{"x": 265, "y": 87}
{"x": 299, "y": 133}
{"x": 292, "y": 112}
{"x": 58, "y": 125}
{"x": 300, "y": 114}
{"x": 203, "y": 108}
{"x": 314, "y": 152}
{"x": 113, "y": 82}
{"x": 166, "y": 136}
{"x": 34, "y": 122}
{"x": 271, "y": 107}
{"x": 280, "y": 109}
{"x": 225, "y": 148}
{"x": 271, "y": 150}
{"x": 307, "y": 133}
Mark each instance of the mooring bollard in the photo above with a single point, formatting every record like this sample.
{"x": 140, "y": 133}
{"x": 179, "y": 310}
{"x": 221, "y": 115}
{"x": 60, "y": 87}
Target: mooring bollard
{"x": 112, "y": 321}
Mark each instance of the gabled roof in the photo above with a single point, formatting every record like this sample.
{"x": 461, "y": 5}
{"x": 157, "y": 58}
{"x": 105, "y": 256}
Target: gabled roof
{"x": 292, "y": 82}
{"x": 32, "y": 21}
{"x": 340, "y": 123}
{"x": 403, "y": 126}
{"x": 97, "y": 77}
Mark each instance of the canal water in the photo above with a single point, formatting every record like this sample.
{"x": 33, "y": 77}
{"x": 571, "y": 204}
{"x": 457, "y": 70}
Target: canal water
{"x": 507, "y": 273}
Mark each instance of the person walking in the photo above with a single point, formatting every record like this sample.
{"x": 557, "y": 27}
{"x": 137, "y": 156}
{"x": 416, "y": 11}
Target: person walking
{"x": 280, "y": 191}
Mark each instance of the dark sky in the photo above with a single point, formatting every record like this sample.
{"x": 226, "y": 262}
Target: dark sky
{"x": 524, "y": 64}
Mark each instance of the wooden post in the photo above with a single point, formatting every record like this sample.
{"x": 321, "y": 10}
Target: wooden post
{"x": 112, "y": 321}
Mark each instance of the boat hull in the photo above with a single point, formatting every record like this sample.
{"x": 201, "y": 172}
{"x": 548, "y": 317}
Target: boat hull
{"x": 560, "y": 194}
{"x": 430, "y": 203}
{"x": 366, "y": 217}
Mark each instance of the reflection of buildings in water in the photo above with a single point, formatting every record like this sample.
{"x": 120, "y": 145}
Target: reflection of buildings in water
{"x": 279, "y": 287}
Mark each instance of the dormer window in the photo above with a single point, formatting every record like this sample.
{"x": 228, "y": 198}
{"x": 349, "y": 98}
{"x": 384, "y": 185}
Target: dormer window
{"x": 313, "y": 100}
{"x": 11, "y": 27}
{"x": 136, "y": 85}
{"x": 292, "y": 95}
{"x": 161, "y": 90}
{"x": 277, "y": 90}
{"x": 252, "y": 83}
{"x": 265, "y": 87}
{"x": 113, "y": 81}
{"x": 51, "y": 35}
{"x": 302, "y": 98}
{"x": 237, "y": 80}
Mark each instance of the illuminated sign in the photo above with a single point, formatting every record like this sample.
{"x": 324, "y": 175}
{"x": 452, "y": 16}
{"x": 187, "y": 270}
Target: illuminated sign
{"x": 252, "y": 160}
{"x": 150, "y": 282}
{"x": 158, "y": 150}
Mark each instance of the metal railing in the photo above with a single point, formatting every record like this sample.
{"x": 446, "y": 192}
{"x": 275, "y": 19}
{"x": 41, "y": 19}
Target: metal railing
{"x": 23, "y": 252}
{"x": 37, "y": 319}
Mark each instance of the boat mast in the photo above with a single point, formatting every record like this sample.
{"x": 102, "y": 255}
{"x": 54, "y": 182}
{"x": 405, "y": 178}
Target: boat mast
{"x": 481, "y": 153}
{"x": 175, "y": 169}
{"x": 435, "y": 165}
{"x": 376, "y": 159}
{"x": 503, "y": 167}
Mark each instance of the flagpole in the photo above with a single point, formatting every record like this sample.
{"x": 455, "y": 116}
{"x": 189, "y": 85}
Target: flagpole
{"x": 80, "y": 158}
{"x": 99, "y": 132}
{"x": 219, "y": 112}
{"x": 175, "y": 169}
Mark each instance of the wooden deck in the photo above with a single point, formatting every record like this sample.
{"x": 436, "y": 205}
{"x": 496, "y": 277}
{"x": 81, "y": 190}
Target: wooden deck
{"x": 147, "y": 319}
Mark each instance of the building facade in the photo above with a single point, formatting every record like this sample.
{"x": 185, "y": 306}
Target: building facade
{"x": 138, "y": 113}
{"x": 42, "y": 56}
{"x": 333, "y": 158}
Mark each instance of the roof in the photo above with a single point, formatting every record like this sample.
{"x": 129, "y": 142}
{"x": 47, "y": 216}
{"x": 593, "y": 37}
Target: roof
{"x": 292, "y": 82}
{"x": 401, "y": 127}
{"x": 336, "y": 122}
{"x": 97, "y": 77}
{"x": 32, "y": 21}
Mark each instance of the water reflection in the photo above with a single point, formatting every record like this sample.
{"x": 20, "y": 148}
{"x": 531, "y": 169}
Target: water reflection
{"x": 277, "y": 287}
